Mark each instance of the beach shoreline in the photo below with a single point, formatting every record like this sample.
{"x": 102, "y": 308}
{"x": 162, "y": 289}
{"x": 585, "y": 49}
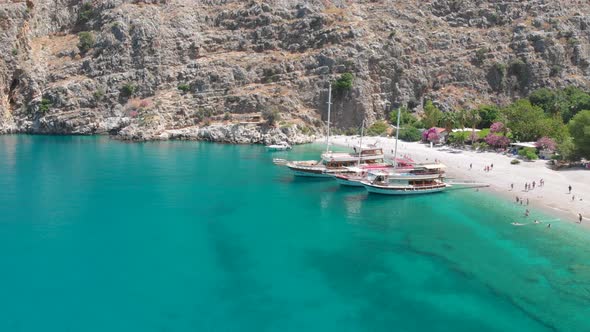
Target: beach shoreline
{"x": 552, "y": 198}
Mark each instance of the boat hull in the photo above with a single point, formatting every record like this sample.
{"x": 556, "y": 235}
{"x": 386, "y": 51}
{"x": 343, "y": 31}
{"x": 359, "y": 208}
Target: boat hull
{"x": 269, "y": 148}
{"x": 308, "y": 172}
{"x": 402, "y": 191}
{"x": 347, "y": 182}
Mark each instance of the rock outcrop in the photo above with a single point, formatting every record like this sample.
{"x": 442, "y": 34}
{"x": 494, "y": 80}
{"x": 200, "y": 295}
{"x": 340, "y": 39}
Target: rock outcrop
{"x": 181, "y": 69}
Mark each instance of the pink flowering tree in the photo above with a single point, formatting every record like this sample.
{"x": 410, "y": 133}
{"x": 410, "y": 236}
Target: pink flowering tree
{"x": 430, "y": 135}
{"x": 546, "y": 143}
{"x": 497, "y": 127}
{"x": 497, "y": 141}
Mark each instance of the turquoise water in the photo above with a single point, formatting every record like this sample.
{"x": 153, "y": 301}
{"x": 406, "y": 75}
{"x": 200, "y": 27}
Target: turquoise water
{"x": 100, "y": 235}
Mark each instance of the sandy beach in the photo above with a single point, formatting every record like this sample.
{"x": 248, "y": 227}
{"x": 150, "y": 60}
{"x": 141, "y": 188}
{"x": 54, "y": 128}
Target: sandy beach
{"x": 553, "y": 197}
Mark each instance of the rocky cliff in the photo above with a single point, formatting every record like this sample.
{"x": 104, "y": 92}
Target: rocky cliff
{"x": 207, "y": 69}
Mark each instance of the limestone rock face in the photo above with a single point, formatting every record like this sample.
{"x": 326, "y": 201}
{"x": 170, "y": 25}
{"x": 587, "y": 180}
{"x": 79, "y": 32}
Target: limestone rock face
{"x": 188, "y": 69}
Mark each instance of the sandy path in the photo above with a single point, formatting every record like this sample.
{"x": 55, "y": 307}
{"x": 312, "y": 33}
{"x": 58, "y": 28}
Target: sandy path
{"x": 553, "y": 197}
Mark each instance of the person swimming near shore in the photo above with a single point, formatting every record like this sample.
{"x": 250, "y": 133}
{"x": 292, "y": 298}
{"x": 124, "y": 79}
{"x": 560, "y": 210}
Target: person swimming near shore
{"x": 536, "y": 221}
{"x": 517, "y": 224}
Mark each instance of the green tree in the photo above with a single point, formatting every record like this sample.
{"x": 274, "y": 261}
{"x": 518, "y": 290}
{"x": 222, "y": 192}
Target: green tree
{"x": 526, "y": 122}
{"x": 566, "y": 102}
{"x": 85, "y": 41}
{"x": 579, "y": 128}
{"x": 488, "y": 114}
{"x": 461, "y": 118}
{"x": 576, "y": 100}
{"x": 473, "y": 118}
{"x": 410, "y": 134}
{"x": 543, "y": 98}
{"x": 406, "y": 117}
{"x": 448, "y": 120}
{"x": 432, "y": 115}
{"x": 566, "y": 149}
{"x": 344, "y": 82}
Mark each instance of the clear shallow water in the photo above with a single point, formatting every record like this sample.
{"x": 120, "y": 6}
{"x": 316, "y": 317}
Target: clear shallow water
{"x": 99, "y": 235}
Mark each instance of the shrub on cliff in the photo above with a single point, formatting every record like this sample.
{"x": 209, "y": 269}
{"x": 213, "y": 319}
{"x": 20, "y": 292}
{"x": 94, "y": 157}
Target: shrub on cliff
{"x": 127, "y": 90}
{"x": 85, "y": 41}
{"x": 86, "y": 13}
{"x": 344, "y": 82}
{"x": 184, "y": 87}
{"x": 45, "y": 105}
{"x": 271, "y": 115}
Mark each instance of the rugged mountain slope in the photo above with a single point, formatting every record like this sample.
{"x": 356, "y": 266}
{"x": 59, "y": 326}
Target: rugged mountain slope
{"x": 235, "y": 59}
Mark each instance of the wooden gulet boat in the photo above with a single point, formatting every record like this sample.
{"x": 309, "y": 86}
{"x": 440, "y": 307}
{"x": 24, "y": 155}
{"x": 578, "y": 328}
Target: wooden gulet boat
{"x": 423, "y": 179}
{"x": 332, "y": 163}
{"x": 336, "y": 162}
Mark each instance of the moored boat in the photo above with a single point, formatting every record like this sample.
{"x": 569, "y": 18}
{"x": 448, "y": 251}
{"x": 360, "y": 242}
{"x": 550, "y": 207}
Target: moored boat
{"x": 422, "y": 179}
{"x": 282, "y": 146}
{"x": 332, "y": 163}
{"x": 355, "y": 175}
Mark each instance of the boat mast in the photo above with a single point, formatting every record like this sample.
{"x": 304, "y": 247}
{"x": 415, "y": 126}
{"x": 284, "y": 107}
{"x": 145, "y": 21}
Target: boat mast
{"x": 399, "y": 110}
{"x": 329, "y": 105}
{"x": 361, "y": 143}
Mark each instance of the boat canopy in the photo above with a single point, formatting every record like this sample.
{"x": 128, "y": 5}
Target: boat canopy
{"x": 433, "y": 166}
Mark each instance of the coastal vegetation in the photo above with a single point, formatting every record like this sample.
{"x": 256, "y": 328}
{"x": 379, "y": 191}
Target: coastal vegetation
{"x": 555, "y": 120}
{"x": 377, "y": 129}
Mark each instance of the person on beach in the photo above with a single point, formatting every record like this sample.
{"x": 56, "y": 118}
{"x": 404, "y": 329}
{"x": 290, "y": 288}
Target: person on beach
{"x": 492, "y": 166}
{"x": 526, "y": 213}
{"x": 533, "y": 184}
{"x": 570, "y": 189}
{"x": 526, "y": 187}
{"x": 527, "y": 201}
{"x": 517, "y": 199}
{"x": 470, "y": 166}
{"x": 580, "y": 218}
{"x": 573, "y": 198}
{"x": 511, "y": 186}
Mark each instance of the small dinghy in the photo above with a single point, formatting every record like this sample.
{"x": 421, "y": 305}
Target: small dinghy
{"x": 282, "y": 146}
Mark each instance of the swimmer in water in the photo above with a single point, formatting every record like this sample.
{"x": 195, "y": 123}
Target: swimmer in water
{"x": 537, "y": 222}
{"x": 549, "y": 226}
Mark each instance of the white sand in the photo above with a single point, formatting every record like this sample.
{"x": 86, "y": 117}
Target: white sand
{"x": 552, "y": 197}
